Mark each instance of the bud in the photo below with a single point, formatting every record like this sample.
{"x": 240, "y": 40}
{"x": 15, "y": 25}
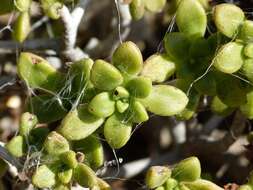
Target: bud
{"x": 157, "y": 176}
{"x": 56, "y": 144}
{"x": 117, "y": 131}
{"x": 51, "y": 8}
{"x": 128, "y": 58}
{"x": 228, "y": 18}
{"x": 44, "y": 177}
{"x": 22, "y": 5}
{"x": 27, "y": 123}
{"x": 102, "y": 105}
{"x": 170, "y": 184}
{"x": 120, "y": 92}
{"x": 121, "y": 106}
{"x": 187, "y": 170}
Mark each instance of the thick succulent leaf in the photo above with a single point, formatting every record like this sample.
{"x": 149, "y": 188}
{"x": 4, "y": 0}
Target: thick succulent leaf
{"x": 27, "y": 123}
{"x": 177, "y": 45}
{"x": 231, "y": 90}
{"x": 200, "y": 47}
{"x": 38, "y": 73}
{"x": 201, "y": 184}
{"x": 246, "y": 31}
{"x": 79, "y": 124}
{"x": 37, "y": 137}
{"x": 170, "y": 184}
{"x": 165, "y": 100}
{"x": 191, "y": 18}
{"x": 117, "y": 131}
{"x": 22, "y": 27}
{"x": 23, "y": 5}
{"x": 80, "y": 71}
{"x": 103, "y": 185}
{"x": 247, "y": 109}
{"x": 85, "y": 176}
{"x": 158, "y": 68}
{"x": 69, "y": 159}
{"x": 17, "y": 146}
{"x": 155, "y": 6}
{"x": 207, "y": 84}
{"x": 157, "y": 176}
{"x": 139, "y": 112}
{"x": 247, "y": 69}
{"x": 128, "y": 58}
{"x": 102, "y": 105}
{"x": 105, "y": 76}
{"x": 56, "y": 144}
{"x": 137, "y": 9}
{"x": 43, "y": 177}
{"x": 187, "y": 170}
{"x": 92, "y": 148}
{"x": 228, "y": 18}
{"x": 248, "y": 50}
{"x": 47, "y": 108}
{"x": 64, "y": 176}
{"x": 218, "y": 107}
{"x": 230, "y": 58}
{"x": 139, "y": 87}
{"x": 121, "y": 106}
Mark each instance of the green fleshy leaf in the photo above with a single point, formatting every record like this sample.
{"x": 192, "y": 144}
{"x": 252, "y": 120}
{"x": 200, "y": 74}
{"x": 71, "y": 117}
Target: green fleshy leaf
{"x": 187, "y": 170}
{"x": 139, "y": 112}
{"x": 128, "y": 58}
{"x": 55, "y": 144}
{"x": 165, "y": 100}
{"x": 191, "y": 18}
{"x": 247, "y": 69}
{"x": 120, "y": 92}
{"x": 47, "y": 108}
{"x": 158, "y": 68}
{"x": 27, "y": 123}
{"x": 170, "y": 184}
{"x": 246, "y": 32}
{"x": 85, "y": 176}
{"x": 38, "y": 73}
{"x": 121, "y": 106}
{"x": 105, "y": 76}
{"x": 230, "y": 58}
{"x": 248, "y": 50}
{"x": 102, "y": 105}
{"x": 157, "y": 176}
{"x": 232, "y": 98}
{"x": 201, "y": 184}
{"x": 218, "y": 107}
{"x": 247, "y": 109}
{"x": 228, "y": 18}
{"x": 139, "y": 87}
{"x": 69, "y": 159}
{"x": 23, "y": 5}
{"x": 37, "y": 136}
{"x": 207, "y": 84}
{"x": 65, "y": 176}
{"x": 92, "y": 148}
{"x": 137, "y": 9}
{"x": 79, "y": 124}
{"x": 43, "y": 177}
{"x": 155, "y": 6}
{"x": 17, "y": 146}
{"x": 177, "y": 45}
{"x": 22, "y": 27}
{"x": 117, "y": 131}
